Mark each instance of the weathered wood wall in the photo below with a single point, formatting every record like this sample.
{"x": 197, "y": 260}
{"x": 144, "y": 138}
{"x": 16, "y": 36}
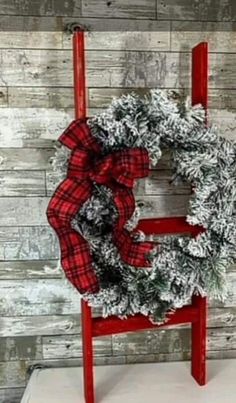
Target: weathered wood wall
{"x": 40, "y": 322}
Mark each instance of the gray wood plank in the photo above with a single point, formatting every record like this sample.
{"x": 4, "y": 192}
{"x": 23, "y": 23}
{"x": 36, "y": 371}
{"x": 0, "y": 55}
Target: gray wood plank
{"x": 222, "y": 99}
{"x": 178, "y": 10}
{"x": 222, "y": 339}
{"x": 23, "y": 211}
{"x": 3, "y": 96}
{"x": 31, "y": 39}
{"x": 20, "y": 348}
{"x": 151, "y": 342}
{"x": 56, "y": 347}
{"x": 32, "y": 269}
{"x": 38, "y": 297}
{"x": 160, "y": 182}
{"x": 163, "y": 206}
{"x": 39, "y": 325}
{"x": 25, "y": 159}
{"x": 96, "y": 24}
{"x": 169, "y": 341}
{"x": 185, "y": 35}
{"x": 11, "y": 395}
{"x": 56, "y": 97}
{"x": 41, "y": 97}
{"x": 19, "y": 23}
{"x": 222, "y": 317}
{"x": 28, "y": 243}
{"x": 40, "y": 8}
{"x": 12, "y": 374}
{"x": 119, "y": 9}
{"x": 124, "y": 40}
{"x": 206, "y": 10}
{"x": 180, "y": 356}
{"x": 32, "y": 127}
{"x": 111, "y": 69}
{"x": 22, "y": 183}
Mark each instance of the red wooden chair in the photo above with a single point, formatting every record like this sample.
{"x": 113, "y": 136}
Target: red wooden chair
{"x": 194, "y": 313}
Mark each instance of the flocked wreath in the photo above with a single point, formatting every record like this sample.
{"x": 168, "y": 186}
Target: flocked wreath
{"x": 107, "y": 152}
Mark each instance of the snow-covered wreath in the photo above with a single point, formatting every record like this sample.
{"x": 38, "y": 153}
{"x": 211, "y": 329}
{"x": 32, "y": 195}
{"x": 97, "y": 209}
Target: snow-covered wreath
{"x": 179, "y": 266}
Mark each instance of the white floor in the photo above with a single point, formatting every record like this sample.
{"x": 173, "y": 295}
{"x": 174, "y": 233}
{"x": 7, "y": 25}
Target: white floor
{"x": 140, "y": 383}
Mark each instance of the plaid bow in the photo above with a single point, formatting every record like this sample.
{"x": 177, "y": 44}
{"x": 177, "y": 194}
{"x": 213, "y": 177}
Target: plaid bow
{"x": 117, "y": 171}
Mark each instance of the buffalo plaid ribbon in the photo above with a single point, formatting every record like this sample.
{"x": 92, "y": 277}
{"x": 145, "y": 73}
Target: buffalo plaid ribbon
{"x": 86, "y": 166}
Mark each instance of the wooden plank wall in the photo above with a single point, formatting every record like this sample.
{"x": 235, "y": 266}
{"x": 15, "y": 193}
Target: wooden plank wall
{"x": 40, "y": 321}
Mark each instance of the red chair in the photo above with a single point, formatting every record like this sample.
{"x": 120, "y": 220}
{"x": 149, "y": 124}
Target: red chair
{"x": 194, "y": 313}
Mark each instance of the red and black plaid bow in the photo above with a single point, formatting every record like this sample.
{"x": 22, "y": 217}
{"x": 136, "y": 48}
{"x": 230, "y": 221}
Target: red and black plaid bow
{"x": 117, "y": 171}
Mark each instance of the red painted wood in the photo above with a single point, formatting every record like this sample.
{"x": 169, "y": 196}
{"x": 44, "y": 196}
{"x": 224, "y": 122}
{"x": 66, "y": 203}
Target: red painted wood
{"x": 87, "y": 342}
{"x": 79, "y": 74}
{"x": 114, "y": 325}
{"x": 195, "y": 313}
{"x": 200, "y": 74}
{"x": 172, "y": 225}
{"x": 86, "y": 314}
{"x": 199, "y": 333}
{"x": 199, "y": 328}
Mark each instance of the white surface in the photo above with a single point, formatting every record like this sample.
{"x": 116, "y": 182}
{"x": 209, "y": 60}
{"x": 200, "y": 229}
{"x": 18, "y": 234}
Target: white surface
{"x": 140, "y": 383}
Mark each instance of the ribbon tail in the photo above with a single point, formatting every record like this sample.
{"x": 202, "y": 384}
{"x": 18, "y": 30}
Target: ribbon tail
{"x": 132, "y": 252}
{"x": 76, "y": 259}
{"x": 125, "y": 204}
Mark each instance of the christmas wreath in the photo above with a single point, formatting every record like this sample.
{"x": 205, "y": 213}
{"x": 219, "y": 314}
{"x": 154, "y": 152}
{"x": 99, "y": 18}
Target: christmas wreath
{"x": 93, "y": 209}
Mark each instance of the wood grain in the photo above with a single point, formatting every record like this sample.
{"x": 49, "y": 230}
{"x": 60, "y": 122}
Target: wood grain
{"x": 57, "y": 347}
{"x": 128, "y": 40}
{"x": 28, "y": 243}
{"x": 32, "y": 127}
{"x": 119, "y": 9}
{"x": 39, "y": 325}
{"x": 161, "y": 182}
{"x": 50, "y": 68}
{"x": 22, "y": 159}
{"x": 185, "y": 35}
{"x": 40, "y": 8}
{"x": 31, "y": 39}
{"x": 198, "y": 10}
{"x": 62, "y": 98}
{"x": 22, "y": 183}
{"x": 12, "y": 374}
{"x": 49, "y": 297}
{"x": 160, "y": 206}
{"x": 20, "y": 348}
{"x": 41, "y": 97}
{"x": 23, "y": 211}
{"x": 11, "y": 395}
{"x": 32, "y": 269}
{"x": 3, "y": 96}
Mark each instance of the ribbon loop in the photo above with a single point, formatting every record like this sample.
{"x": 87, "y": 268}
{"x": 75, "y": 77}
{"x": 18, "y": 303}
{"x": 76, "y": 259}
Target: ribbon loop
{"x": 117, "y": 171}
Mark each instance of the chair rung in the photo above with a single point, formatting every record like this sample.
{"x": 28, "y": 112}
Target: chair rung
{"x": 170, "y": 225}
{"x": 112, "y": 324}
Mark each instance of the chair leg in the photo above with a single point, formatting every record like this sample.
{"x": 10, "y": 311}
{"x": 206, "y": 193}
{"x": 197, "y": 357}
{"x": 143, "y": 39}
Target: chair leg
{"x": 87, "y": 352}
{"x": 199, "y": 333}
